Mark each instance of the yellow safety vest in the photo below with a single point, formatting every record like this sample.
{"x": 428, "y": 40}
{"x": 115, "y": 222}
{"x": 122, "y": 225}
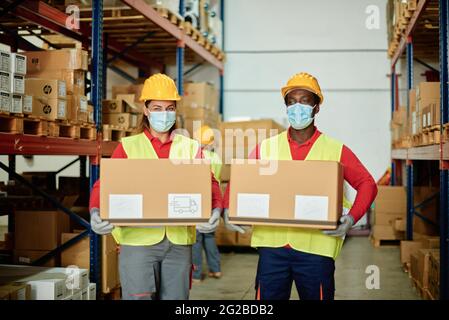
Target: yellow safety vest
{"x": 140, "y": 147}
{"x": 215, "y": 163}
{"x": 301, "y": 239}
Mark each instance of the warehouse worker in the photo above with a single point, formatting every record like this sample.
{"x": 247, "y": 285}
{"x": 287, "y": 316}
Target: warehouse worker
{"x": 305, "y": 256}
{"x": 156, "y": 262}
{"x": 205, "y": 237}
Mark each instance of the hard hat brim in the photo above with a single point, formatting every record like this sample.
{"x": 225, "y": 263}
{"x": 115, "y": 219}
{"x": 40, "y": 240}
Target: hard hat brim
{"x": 286, "y": 90}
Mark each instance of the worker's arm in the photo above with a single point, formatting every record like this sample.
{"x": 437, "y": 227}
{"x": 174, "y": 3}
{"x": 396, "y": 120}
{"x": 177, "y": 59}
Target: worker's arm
{"x": 361, "y": 180}
{"x": 119, "y": 153}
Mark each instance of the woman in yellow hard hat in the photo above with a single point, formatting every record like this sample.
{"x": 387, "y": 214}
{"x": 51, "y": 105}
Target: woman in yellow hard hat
{"x": 156, "y": 262}
{"x": 205, "y": 237}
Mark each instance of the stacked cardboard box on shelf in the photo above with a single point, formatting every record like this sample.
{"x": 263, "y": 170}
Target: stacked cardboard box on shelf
{"x": 434, "y": 275}
{"x": 238, "y": 140}
{"x": 13, "y": 68}
{"x": 66, "y": 66}
{"x": 399, "y": 13}
{"x": 123, "y": 111}
{"x": 199, "y": 107}
{"x": 399, "y": 125}
{"x": 428, "y": 103}
{"x": 43, "y": 283}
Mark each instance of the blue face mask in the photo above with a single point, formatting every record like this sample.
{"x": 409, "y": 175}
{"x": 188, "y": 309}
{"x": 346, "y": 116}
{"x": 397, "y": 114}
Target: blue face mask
{"x": 300, "y": 115}
{"x": 162, "y": 121}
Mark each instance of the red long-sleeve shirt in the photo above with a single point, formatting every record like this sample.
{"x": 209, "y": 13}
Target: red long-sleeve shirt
{"x": 354, "y": 173}
{"x": 163, "y": 151}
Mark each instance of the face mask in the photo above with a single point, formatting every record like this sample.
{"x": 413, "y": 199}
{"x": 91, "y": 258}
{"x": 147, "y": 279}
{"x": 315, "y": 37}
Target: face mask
{"x": 162, "y": 121}
{"x": 300, "y": 115}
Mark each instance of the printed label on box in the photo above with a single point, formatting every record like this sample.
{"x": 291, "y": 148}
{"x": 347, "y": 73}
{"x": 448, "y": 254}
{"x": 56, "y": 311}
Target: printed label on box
{"x": 311, "y": 207}
{"x": 20, "y": 64}
{"x": 17, "y": 102}
{"x": 19, "y": 84}
{"x": 125, "y": 206}
{"x": 184, "y": 205}
{"x": 61, "y": 89}
{"x": 61, "y": 109}
{"x": 5, "y": 81}
{"x": 253, "y": 205}
{"x": 83, "y": 104}
{"x": 5, "y": 59}
{"x": 28, "y": 104}
{"x": 5, "y": 101}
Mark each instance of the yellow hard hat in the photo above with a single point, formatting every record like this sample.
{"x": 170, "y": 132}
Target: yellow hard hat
{"x": 304, "y": 81}
{"x": 205, "y": 135}
{"x": 159, "y": 87}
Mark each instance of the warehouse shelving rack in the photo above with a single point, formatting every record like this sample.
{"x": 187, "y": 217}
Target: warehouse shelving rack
{"x": 105, "y": 48}
{"x": 419, "y": 38}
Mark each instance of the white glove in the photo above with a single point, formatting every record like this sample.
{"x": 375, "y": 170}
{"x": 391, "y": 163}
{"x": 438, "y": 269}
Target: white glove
{"x": 346, "y": 223}
{"x": 230, "y": 226}
{"x": 212, "y": 224}
{"x": 97, "y": 225}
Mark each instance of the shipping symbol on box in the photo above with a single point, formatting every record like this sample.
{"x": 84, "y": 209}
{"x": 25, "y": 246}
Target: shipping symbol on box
{"x": 184, "y": 205}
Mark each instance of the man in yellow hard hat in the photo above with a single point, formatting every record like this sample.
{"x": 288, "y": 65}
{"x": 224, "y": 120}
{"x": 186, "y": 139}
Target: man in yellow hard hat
{"x": 155, "y": 262}
{"x": 205, "y": 236}
{"x": 305, "y": 256}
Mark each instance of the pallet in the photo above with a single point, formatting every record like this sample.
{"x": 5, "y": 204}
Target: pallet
{"x": 174, "y": 18}
{"x": 10, "y": 124}
{"x": 445, "y": 134}
{"x": 420, "y": 290}
{"x": 115, "y": 133}
{"x": 88, "y": 132}
{"x": 376, "y": 242}
{"x": 114, "y": 294}
{"x": 68, "y": 129}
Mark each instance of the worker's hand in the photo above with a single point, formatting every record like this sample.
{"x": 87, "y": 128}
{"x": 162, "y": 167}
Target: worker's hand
{"x": 346, "y": 223}
{"x": 230, "y": 226}
{"x": 212, "y": 224}
{"x": 99, "y": 226}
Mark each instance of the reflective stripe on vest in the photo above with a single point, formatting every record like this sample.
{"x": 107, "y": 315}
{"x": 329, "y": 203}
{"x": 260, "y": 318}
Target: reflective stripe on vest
{"x": 301, "y": 239}
{"x": 215, "y": 163}
{"x": 140, "y": 147}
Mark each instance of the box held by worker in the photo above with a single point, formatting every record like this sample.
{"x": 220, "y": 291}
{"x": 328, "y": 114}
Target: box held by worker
{"x": 261, "y": 193}
{"x": 151, "y": 198}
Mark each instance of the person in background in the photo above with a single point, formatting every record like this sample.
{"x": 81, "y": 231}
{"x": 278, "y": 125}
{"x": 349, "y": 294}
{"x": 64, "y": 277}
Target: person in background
{"x": 205, "y": 238}
{"x": 305, "y": 256}
{"x": 156, "y": 262}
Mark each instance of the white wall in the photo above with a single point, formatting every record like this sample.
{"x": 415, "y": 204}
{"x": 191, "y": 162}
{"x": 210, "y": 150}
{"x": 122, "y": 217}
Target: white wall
{"x": 268, "y": 41}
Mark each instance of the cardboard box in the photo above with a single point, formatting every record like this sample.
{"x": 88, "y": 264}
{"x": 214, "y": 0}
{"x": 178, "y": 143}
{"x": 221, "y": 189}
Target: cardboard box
{"x": 434, "y": 275}
{"x": 240, "y": 138}
{"x": 260, "y": 196}
{"x": 244, "y": 239}
{"x": 423, "y": 256}
{"x": 385, "y": 233}
{"x": 391, "y": 200}
{"x": 38, "y": 61}
{"x": 109, "y": 266}
{"x": 408, "y": 248}
{"x": 90, "y": 114}
{"x": 18, "y": 63}
{"x": 77, "y": 107}
{"x": 74, "y": 79}
{"x": 399, "y": 225}
{"x": 27, "y": 104}
{"x": 225, "y": 237}
{"x": 17, "y": 84}
{"x": 40, "y": 230}
{"x": 5, "y": 61}
{"x": 414, "y": 270}
{"x": 121, "y": 104}
{"x": 16, "y": 291}
{"x": 412, "y": 99}
{"x": 185, "y": 198}
{"x": 200, "y": 94}
{"x": 430, "y": 242}
{"x": 49, "y": 289}
{"x": 16, "y": 103}
{"x": 48, "y": 88}
{"x": 92, "y": 291}
{"x": 225, "y": 172}
{"x": 5, "y": 81}
{"x": 76, "y": 255}
{"x": 5, "y": 101}
{"x": 427, "y": 90}
{"x": 27, "y": 257}
{"x": 127, "y": 89}
{"x": 50, "y": 108}
{"x": 124, "y": 120}
{"x": 385, "y": 219}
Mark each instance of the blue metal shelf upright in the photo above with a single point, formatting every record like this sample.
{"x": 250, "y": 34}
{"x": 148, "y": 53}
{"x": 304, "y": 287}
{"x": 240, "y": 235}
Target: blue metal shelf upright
{"x": 439, "y": 152}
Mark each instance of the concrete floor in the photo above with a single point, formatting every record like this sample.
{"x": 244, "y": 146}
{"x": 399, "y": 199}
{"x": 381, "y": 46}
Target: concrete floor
{"x": 239, "y": 271}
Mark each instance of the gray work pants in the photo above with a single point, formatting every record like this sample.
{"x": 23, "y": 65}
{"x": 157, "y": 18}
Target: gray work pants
{"x": 161, "y": 271}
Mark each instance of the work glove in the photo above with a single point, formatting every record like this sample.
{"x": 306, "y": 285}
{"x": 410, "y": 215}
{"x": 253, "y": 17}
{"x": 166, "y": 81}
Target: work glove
{"x": 97, "y": 225}
{"x": 212, "y": 224}
{"x": 346, "y": 223}
{"x": 230, "y": 226}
